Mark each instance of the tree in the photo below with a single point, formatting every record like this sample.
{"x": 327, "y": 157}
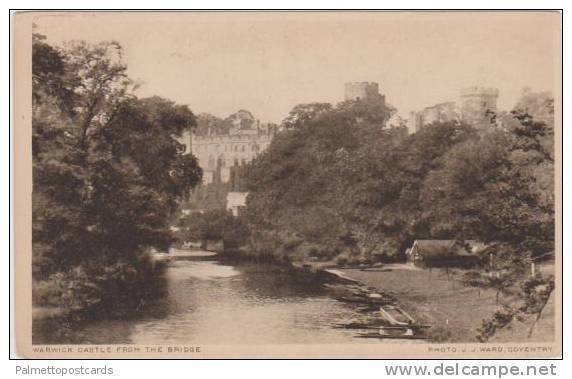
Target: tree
{"x": 108, "y": 171}
{"x": 386, "y": 178}
{"x": 207, "y": 123}
{"x": 533, "y": 296}
{"x": 487, "y": 190}
{"x": 98, "y": 79}
{"x": 498, "y": 188}
{"x": 340, "y": 181}
{"x": 212, "y": 225}
{"x": 305, "y": 186}
{"x": 303, "y": 113}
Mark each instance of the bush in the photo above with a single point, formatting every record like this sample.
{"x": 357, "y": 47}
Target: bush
{"x": 85, "y": 290}
{"x": 291, "y": 242}
{"x": 70, "y": 291}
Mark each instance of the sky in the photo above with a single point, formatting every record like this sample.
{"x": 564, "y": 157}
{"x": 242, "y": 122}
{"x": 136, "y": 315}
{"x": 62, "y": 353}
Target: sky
{"x": 268, "y": 62}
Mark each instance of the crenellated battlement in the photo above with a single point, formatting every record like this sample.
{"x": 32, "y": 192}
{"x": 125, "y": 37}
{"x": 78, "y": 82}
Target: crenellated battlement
{"x": 366, "y": 84}
{"x": 232, "y": 137}
{"x": 479, "y": 91}
{"x": 362, "y": 90}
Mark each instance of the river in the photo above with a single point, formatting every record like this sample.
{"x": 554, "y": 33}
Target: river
{"x": 207, "y": 301}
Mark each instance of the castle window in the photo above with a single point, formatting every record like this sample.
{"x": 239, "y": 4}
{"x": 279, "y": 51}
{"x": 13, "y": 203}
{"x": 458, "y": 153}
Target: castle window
{"x": 243, "y": 148}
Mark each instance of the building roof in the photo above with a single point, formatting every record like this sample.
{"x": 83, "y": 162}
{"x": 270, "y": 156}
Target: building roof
{"x": 436, "y": 248}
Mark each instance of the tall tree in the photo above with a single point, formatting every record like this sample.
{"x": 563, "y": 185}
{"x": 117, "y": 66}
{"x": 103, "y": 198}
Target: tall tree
{"x": 108, "y": 168}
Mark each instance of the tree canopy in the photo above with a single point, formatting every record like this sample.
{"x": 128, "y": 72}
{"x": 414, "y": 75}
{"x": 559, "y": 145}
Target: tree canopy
{"x": 340, "y": 179}
{"x": 108, "y": 168}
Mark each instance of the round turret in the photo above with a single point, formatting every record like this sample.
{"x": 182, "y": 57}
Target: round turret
{"x": 478, "y": 104}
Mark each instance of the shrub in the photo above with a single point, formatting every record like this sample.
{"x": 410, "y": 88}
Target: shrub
{"x": 89, "y": 289}
{"x": 71, "y": 291}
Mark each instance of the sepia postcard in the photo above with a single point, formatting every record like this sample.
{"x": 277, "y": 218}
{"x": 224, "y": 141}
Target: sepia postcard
{"x": 287, "y": 184}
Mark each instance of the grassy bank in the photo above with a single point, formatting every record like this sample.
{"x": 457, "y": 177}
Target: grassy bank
{"x": 435, "y": 297}
{"x": 454, "y": 312}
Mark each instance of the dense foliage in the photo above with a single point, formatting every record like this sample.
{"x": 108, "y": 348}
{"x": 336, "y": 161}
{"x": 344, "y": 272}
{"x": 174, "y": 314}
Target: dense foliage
{"x": 213, "y": 225}
{"x": 108, "y": 173}
{"x": 338, "y": 183}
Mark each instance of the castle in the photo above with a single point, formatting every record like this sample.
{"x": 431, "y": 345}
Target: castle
{"x": 363, "y": 91}
{"x": 244, "y": 141}
{"x": 222, "y": 153}
{"x": 477, "y": 104}
{"x": 224, "y": 147}
{"x": 476, "y": 108}
{"x": 443, "y": 112}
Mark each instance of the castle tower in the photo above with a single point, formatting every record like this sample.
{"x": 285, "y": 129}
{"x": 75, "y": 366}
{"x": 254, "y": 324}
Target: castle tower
{"x": 363, "y": 91}
{"x": 476, "y": 105}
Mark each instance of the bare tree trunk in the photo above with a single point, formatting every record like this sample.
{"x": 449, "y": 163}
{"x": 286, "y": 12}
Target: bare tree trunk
{"x": 537, "y": 317}
{"x": 85, "y": 126}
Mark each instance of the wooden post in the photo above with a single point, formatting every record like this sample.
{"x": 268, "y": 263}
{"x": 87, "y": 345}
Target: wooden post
{"x": 532, "y": 269}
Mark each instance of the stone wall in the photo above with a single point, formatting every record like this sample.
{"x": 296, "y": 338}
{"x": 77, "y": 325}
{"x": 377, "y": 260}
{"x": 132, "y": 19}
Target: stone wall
{"x": 477, "y": 103}
{"x": 362, "y": 91}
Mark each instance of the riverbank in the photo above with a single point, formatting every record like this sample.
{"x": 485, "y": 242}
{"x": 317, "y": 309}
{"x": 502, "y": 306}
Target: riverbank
{"x": 454, "y": 312}
{"x": 84, "y": 293}
{"x": 213, "y": 301}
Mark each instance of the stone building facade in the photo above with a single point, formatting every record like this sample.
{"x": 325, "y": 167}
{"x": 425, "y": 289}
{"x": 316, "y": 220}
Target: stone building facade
{"x": 477, "y": 106}
{"x": 222, "y": 156}
{"x": 362, "y": 91}
{"x": 443, "y": 112}
{"x": 223, "y": 152}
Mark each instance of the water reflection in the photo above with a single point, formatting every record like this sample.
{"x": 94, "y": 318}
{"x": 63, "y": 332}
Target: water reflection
{"x": 206, "y": 301}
